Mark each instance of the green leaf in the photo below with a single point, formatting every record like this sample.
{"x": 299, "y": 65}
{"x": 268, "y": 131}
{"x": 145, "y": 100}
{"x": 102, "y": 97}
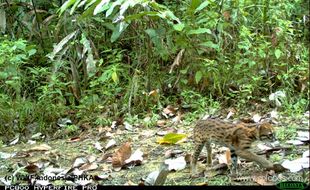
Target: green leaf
{"x": 202, "y": 6}
{"x": 178, "y": 27}
{"x": 2, "y": 20}
{"x": 194, "y": 4}
{"x": 60, "y": 45}
{"x": 114, "y": 4}
{"x": 139, "y": 15}
{"x": 198, "y": 76}
{"x": 66, "y": 5}
{"x": 114, "y": 77}
{"x": 102, "y": 6}
{"x": 126, "y": 4}
{"x": 278, "y": 53}
{"x": 200, "y": 31}
{"x": 118, "y": 30}
{"x": 210, "y": 44}
{"x": 74, "y": 6}
{"x": 171, "y": 138}
{"x": 31, "y": 52}
{"x": 91, "y": 3}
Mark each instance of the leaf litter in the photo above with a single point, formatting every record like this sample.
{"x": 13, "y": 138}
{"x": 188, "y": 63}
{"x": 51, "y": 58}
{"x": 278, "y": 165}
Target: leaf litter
{"x": 112, "y": 162}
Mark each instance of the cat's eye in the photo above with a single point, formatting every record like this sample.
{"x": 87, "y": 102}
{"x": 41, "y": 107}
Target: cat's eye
{"x": 271, "y": 136}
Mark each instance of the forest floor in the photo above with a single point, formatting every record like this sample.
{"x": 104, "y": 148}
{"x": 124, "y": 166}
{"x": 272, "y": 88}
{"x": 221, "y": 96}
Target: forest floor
{"x": 100, "y": 152}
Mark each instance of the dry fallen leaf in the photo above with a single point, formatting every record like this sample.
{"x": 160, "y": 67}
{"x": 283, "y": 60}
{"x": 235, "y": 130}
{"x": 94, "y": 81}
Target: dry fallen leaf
{"x": 274, "y": 114}
{"x": 262, "y": 146}
{"x": 130, "y": 183}
{"x": 295, "y": 142}
{"x": 37, "y": 136}
{"x": 176, "y": 164}
{"x": 136, "y": 157}
{"x": 42, "y": 182}
{"x": 88, "y": 166}
{"x": 103, "y": 176}
{"x": 98, "y": 146}
{"x": 157, "y": 177}
{"x": 91, "y": 158}
{"x": 154, "y": 93}
{"x": 256, "y": 118}
{"x": 231, "y": 112}
{"x": 303, "y": 135}
{"x": 14, "y": 141}
{"x": 177, "y": 119}
{"x": 4, "y": 155}
{"x": 74, "y": 139}
{"x": 169, "y": 110}
{"x": 202, "y": 184}
{"x": 83, "y": 182}
{"x": 161, "y": 123}
{"x": 111, "y": 143}
{"x": 172, "y": 153}
{"x": 305, "y": 154}
{"x": 53, "y": 171}
{"x": 32, "y": 168}
{"x": 122, "y": 154}
{"x": 79, "y": 161}
{"x": 297, "y": 165}
{"x": 41, "y": 147}
{"x": 261, "y": 178}
{"x": 113, "y": 126}
{"x": 76, "y": 171}
{"x": 128, "y": 126}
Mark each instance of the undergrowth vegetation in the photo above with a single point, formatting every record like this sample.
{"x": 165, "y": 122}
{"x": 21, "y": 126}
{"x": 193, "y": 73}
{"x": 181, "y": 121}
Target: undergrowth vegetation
{"x": 98, "y": 61}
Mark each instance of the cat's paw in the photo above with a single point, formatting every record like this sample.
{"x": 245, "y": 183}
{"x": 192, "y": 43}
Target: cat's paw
{"x": 279, "y": 168}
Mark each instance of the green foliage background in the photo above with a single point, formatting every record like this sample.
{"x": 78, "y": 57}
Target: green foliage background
{"x": 125, "y": 58}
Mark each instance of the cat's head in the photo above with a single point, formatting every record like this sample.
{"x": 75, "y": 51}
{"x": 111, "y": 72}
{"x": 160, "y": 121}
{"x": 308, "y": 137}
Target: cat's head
{"x": 265, "y": 131}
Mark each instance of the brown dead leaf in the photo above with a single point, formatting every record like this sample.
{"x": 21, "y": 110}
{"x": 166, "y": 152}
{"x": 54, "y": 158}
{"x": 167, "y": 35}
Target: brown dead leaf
{"x": 202, "y": 184}
{"x": 225, "y": 157}
{"x": 177, "y": 60}
{"x": 153, "y": 93}
{"x": 170, "y": 110}
{"x": 32, "y": 168}
{"x": 79, "y": 161}
{"x": 101, "y": 129}
{"x": 177, "y": 119}
{"x": 89, "y": 166}
{"x": 41, "y": 147}
{"x": 231, "y": 112}
{"x": 91, "y": 158}
{"x": 262, "y": 179}
{"x": 74, "y": 139}
{"x": 172, "y": 153}
{"x": 22, "y": 155}
{"x": 85, "y": 126}
{"x": 130, "y": 183}
{"x": 226, "y": 15}
{"x": 122, "y": 154}
{"x": 161, "y": 123}
{"x": 104, "y": 157}
{"x": 103, "y": 176}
